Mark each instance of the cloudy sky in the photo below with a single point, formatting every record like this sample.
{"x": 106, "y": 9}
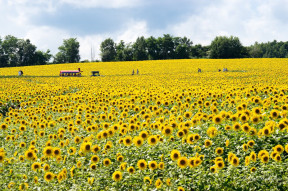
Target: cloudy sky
{"x": 47, "y": 22}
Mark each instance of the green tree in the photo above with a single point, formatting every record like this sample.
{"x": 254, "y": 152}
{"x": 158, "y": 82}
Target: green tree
{"x": 128, "y": 52}
{"x": 3, "y": 57}
{"x": 10, "y": 48}
{"x": 120, "y": 51}
{"x": 153, "y": 48}
{"x": 182, "y": 47}
{"x": 42, "y": 57}
{"x": 140, "y": 49}
{"x": 108, "y": 50}
{"x": 26, "y": 52}
{"x": 68, "y": 52}
{"x": 166, "y": 45}
{"x": 227, "y": 47}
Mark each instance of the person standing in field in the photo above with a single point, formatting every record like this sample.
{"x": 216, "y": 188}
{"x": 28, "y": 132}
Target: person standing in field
{"x": 20, "y": 73}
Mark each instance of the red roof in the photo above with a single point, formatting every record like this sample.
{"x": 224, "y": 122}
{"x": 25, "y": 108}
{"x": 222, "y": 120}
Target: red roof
{"x": 70, "y": 71}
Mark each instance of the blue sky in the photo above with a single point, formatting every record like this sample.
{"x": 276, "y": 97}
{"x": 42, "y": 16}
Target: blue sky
{"x": 47, "y": 22}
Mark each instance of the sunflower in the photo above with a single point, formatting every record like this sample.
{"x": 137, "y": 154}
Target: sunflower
{"x": 213, "y": 169}
{"x": 197, "y": 161}
{"x": 277, "y": 158}
{"x": 219, "y": 151}
{"x": 106, "y": 162}
{"x": 153, "y": 165}
{"x": 253, "y": 169}
{"x": 36, "y": 166}
{"x": 49, "y": 176}
{"x": 161, "y": 165}
{"x": 3, "y": 126}
{"x": 152, "y": 140}
{"x": 147, "y": 180}
{"x": 86, "y": 147}
{"x": 219, "y": 164}
{"x": 142, "y": 164}
{"x": 235, "y": 161}
{"x": 265, "y": 158}
{"x": 131, "y": 170}
{"x": 95, "y": 159}
{"x": 72, "y": 151}
{"x": 217, "y": 119}
{"x": 175, "y": 155}
{"x": 117, "y": 176}
{"x": 127, "y": 141}
{"x": 77, "y": 140}
{"x": 56, "y": 152}
{"x": 182, "y": 162}
{"x": 236, "y": 126}
{"x": 30, "y": 155}
{"x": 251, "y": 143}
{"x": 158, "y": 183}
{"x": 180, "y": 188}
{"x": 2, "y": 157}
{"x": 245, "y": 147}
{"x": 207, "y": 143}
{"x": 46, "y": 167}
{"x": 138, "y": 141}
{"x": 196, "y": 137}
{"x": 279, "y": 149}
{"x": 274, "y": 114}
{"x": 180, "y": 133}
{"x": 167, "y": 130}
{"x": 95, "y": 149}
{"x": 246, "y": 128}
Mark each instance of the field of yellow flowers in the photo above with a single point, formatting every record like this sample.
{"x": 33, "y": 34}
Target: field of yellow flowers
{"x": 168, "y": 128}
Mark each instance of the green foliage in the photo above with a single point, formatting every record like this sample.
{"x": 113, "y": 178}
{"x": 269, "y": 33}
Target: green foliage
{"x": 20, "y": 52}
{"x": 108, "y": 50}
{"x": 272, "y": 49}
{"x": 68, "y": 52}
{"x": 227, "y": 47}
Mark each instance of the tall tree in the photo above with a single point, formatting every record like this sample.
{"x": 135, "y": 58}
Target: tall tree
{"x": 120, "y": 51}
{"x": 108, "y": 50}
{"x": 166, "y": 45}
{"x": 68, "y": 52}
{"x": 10, "y": 47}
{"x": 140, "y": 49}
{"x": 153, "y": 48}
{"x": 182, "y": 47}
{"x": 26, "y": 52}
{"x": 3, "y": 57}
{"x": 227, "y": 47}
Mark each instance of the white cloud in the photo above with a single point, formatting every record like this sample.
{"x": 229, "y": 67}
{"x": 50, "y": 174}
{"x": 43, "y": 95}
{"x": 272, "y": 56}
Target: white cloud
{"x": 103, "y": 3}
{"x": 259, "y": 20}
{"x": 46, "y": 37}
{"x": 131, "y": 30}
{"x": 248, "y": 20}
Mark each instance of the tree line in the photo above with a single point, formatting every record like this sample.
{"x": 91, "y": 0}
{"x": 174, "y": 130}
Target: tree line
{"x": 169, "y": 47}
{"x": 21, "y": 52}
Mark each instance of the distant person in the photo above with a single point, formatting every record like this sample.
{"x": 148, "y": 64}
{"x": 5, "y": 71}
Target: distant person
{"x": 20, "y": 73}
{"x": 133, "y": 72}
{"x": 219, "y": 70}
{"x": 199, "y": 70}
{"x": 137, "y": 71}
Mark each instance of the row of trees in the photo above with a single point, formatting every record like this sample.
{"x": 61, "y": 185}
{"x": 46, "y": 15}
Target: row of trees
{"x": 166, "y": 47}
{"x": 169, "y": 47}
{"x": 20, "y": 52}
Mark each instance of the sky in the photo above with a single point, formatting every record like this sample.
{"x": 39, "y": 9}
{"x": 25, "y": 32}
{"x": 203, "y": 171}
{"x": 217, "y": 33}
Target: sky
{"x": 47, "y": 22}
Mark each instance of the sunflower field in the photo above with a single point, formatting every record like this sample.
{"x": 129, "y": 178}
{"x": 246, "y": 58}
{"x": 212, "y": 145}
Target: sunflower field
{"x": 167, "y": 128}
